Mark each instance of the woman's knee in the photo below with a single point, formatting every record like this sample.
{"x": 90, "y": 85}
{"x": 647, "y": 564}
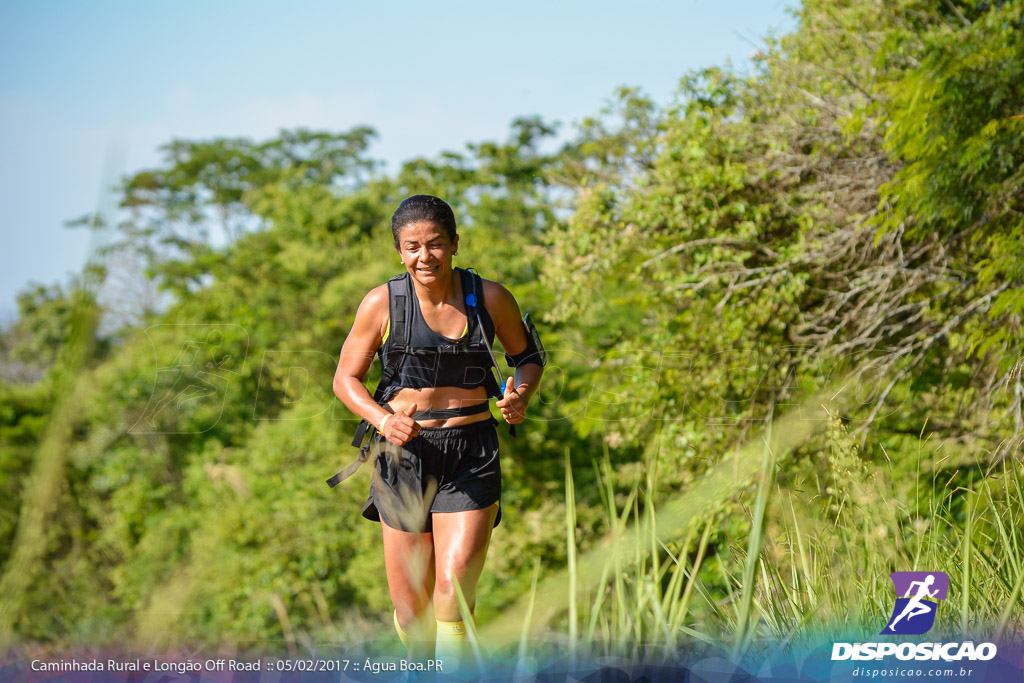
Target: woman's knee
{"x": 412, "y": 600}
{"x": 445, "y": 588}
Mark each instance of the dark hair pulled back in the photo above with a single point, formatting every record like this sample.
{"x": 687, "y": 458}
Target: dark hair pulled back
{"x": 423, "y": 207}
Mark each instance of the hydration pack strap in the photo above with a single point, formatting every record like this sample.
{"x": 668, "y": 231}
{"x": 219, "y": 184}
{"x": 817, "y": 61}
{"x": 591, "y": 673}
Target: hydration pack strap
{"x": 473, "y": 302}
{"x": 364, "y": 455}
{"x": 400, "y": 315}
{"x": 444, "y": 413}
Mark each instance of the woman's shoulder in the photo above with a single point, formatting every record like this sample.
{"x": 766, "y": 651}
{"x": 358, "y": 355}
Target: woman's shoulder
{"x": 376, "y": 296}
{"x": 495, "y": 291}
{"x": 497, "y": 299}
{"x": 375, "y": 306}
{"x": 377, "y": 299}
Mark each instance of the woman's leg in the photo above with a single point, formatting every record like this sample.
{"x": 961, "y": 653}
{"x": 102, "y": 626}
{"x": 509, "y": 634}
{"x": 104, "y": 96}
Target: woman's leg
{"x": 460, "y": 547}
{"x": 409, "y": 563}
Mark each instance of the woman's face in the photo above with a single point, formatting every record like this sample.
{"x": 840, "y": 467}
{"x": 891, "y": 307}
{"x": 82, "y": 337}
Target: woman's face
{"x": 426, "y": 251}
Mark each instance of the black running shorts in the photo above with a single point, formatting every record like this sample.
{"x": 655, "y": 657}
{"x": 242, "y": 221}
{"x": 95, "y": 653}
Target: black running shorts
{"x": 443, "y": 469}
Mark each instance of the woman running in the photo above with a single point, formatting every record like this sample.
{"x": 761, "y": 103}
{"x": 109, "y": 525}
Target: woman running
{"x": 436, "y": 485}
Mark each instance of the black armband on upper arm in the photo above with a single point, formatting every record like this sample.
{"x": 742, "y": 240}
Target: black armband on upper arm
{"x": 534, "y": 351}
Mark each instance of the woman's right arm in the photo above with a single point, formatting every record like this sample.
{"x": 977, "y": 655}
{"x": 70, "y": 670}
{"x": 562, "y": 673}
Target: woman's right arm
{"x": 356, "y": 358}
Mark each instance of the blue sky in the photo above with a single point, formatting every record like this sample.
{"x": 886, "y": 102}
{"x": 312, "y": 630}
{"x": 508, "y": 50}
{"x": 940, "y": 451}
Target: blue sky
{"x": 88, "y": 91}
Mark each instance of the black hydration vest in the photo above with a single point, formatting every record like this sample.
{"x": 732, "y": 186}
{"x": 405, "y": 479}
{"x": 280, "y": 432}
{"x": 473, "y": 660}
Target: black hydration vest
{"x": 425, "y": 359}
{"x": 468, "y": 359}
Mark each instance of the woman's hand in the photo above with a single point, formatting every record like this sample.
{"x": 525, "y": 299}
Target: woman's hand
{"x": 399, "y": 428}
{"x": 511, "y": 405}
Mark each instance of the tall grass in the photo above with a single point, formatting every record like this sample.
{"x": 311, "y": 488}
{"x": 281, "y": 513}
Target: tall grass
{"x": 815, "y": 562}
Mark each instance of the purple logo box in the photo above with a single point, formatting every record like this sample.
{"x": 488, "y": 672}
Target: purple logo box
{"x": 902, "y": 580}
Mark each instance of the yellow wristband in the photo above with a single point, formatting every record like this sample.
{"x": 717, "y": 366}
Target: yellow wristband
{"x": 383, "y": 421}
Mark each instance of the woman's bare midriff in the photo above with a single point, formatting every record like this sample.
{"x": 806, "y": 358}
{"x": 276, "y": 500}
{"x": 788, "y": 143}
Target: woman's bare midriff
{"x": 441, "y": 398}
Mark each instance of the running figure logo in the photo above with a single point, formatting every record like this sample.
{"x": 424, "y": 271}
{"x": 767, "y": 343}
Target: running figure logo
{"x": 917, "y": 596}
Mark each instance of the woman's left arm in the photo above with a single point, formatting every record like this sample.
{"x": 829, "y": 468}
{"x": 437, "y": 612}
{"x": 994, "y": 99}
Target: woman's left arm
{"x": 509, "y": 328}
